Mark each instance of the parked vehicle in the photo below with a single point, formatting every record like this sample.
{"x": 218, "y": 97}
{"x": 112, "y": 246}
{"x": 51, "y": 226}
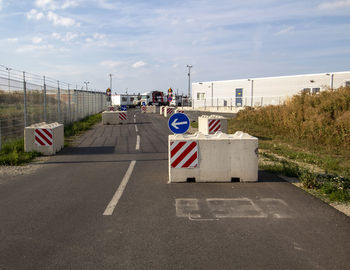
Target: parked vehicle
{"x": 123, "y": 99}
{"x": 153, "y": 98}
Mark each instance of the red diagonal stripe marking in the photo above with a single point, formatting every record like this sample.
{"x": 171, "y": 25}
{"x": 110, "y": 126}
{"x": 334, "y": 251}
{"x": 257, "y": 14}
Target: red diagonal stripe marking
{"x": 217, "y": 128}
{"x": 47, "y": 132}
{"x": 42, "y": 136}
{"x": 190, "y": 160}
{"x": 176, "y": 148}
{"x": 211, "y": 122}
{"x": 184, "y": 154}
{"x": 38, "y": 140}
{"x": 213, "y": 126}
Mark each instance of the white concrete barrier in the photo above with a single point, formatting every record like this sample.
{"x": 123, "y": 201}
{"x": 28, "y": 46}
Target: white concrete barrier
{"x": 178, "y": 110}
{"x": 44, "y": 138}
{"x": 213, "y": 158}
{"x": 168, "y": 111}
{"x": 161, "y": 110}
{"x": 211, "y": 124}
{"x": 114, "y": 118}
{"x": 152, "y": 109}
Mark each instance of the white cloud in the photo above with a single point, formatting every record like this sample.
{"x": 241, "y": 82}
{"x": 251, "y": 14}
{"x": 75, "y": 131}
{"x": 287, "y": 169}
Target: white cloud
{"x": 138, "y": 64}
{"x": 335, "y": 4}
{"x": 13, "y": 40}
{"x": 45, "y": 4}
{"x": 0, "y": 4}
{"x": 33, "y": 48}
{"x": 69, "y": 4}
{"x": 98, "y": 36}
{"x": 37, "y": 40}
{"x": 110, "y": 64}
{"x": 34, "y": 15}
{"x": 59, "y": 20}
{"x": 56, "y": 35}
{"x": 285, "y": 31}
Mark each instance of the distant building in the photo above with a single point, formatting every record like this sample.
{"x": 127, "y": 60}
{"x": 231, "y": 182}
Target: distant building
{"x": 263, "y": 91}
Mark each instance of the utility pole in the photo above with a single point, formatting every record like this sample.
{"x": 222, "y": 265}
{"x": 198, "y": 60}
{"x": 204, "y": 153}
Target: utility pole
{"x": 189, "y": 80}
{"x": 110, "y": 82}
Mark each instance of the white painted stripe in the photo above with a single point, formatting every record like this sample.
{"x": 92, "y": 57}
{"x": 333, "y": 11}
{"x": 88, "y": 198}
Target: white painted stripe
{"x": 137, "y": 130}
{"x": 138, "y": 142}
{"x": 187, "y": 157}
{"x": 181, "y": 150}
{"x": 113, "y": 203}
{"x": 45, "y": 135}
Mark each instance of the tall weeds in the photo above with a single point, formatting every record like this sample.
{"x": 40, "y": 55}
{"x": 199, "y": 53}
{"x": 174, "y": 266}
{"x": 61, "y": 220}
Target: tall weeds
{"x": 314, "y": 120}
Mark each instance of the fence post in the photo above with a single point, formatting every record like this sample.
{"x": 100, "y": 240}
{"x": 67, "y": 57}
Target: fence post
{"x": 69, "y": 108}
{"x": 58, "y": 102}
{"x": 25, "y": 98}
{"x": 83, "y": 107}
{"x": 45, "y": 108}
{"x": 0, "y": 136}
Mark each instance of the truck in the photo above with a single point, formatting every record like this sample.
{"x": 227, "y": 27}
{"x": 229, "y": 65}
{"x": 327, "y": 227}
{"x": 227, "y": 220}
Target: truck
{"x": 154, "y": 98}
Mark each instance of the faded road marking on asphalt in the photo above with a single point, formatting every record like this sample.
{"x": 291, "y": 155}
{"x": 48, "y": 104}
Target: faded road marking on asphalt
{"x": 217, "y": 208}
{"x": 138, "y": 142}
{"x": 136, "y": 128}
{"x": 113, "y": 203}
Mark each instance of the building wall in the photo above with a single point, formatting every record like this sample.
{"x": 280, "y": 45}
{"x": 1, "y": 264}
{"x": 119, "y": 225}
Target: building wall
{"x": 270, "y": 90}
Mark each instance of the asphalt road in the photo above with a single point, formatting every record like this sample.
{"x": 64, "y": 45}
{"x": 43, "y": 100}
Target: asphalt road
{"x": 55, "y": 218}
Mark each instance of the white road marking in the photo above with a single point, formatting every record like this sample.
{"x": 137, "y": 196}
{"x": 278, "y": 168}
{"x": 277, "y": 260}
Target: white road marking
{"x": 137, "y": 130}
{"x": 137, "y": 142}
{"x": 113, "y": 203}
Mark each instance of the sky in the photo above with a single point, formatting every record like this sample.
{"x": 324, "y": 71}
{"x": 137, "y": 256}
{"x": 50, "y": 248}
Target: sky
{"x": 146, "y": 45}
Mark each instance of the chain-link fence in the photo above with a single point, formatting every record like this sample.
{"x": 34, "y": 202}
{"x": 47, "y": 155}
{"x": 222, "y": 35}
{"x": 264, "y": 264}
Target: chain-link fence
{"x": 26, "y": 99}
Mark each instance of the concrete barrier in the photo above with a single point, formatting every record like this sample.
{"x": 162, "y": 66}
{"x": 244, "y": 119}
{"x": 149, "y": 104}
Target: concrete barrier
{"x": 211, "y": 124}
{"x": 114, "y": 118}
{"x": 168, "y": 111}
{"x": 152, "y": 109}
{"x": 178, "y": 110}
{"x": 44, "y": 138}
{"x": 213, "y": 158}
{"x": 111, "y": 108}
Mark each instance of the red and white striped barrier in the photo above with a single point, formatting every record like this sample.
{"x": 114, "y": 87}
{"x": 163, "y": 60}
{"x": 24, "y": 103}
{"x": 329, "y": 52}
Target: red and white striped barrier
{"x": 143, "y": 109}
{"x": 123, "y": 116}
{"x": 111, "y": 108}
{"x": 184, "y": 154}
{"x": 214, "y": 125}
{"x": 170, "y": 111}
{"x": 43, "y": 136}
{"x": 179, "y": 111}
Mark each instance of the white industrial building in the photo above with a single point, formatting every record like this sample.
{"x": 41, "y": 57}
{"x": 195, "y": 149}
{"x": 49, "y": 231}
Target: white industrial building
{"x": 263, "y": 91}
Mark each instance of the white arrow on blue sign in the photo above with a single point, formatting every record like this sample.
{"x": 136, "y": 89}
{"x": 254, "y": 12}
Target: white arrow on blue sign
{"x": 123, "y": 108}
{"x": 179, "y": 123}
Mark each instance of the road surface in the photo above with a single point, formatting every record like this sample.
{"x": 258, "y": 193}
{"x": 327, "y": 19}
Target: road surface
{"x": 106, "y": 204}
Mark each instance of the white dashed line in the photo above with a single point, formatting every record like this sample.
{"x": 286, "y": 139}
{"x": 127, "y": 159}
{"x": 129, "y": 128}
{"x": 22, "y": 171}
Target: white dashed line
{"x": 113, "y": 203}
{"x": 138, "y": 142}
{"x": 137, "y": 130}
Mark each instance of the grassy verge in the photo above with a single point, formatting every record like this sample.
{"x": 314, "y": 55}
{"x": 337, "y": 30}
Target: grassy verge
{"x": 76, "y": 128}
{"x": 307, "y": 138}
{"x": 12, "y": 152}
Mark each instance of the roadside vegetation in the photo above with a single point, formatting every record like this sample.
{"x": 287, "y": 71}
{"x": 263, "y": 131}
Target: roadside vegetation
{"x": 12, "y": 152}
{"x": 308, "y": 137}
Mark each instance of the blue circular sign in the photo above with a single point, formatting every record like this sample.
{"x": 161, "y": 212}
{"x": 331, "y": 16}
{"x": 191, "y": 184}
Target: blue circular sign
{"x": 179, "y": 123}
{"x": 143, "y": 103}
{"x": 170, "y": 99}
